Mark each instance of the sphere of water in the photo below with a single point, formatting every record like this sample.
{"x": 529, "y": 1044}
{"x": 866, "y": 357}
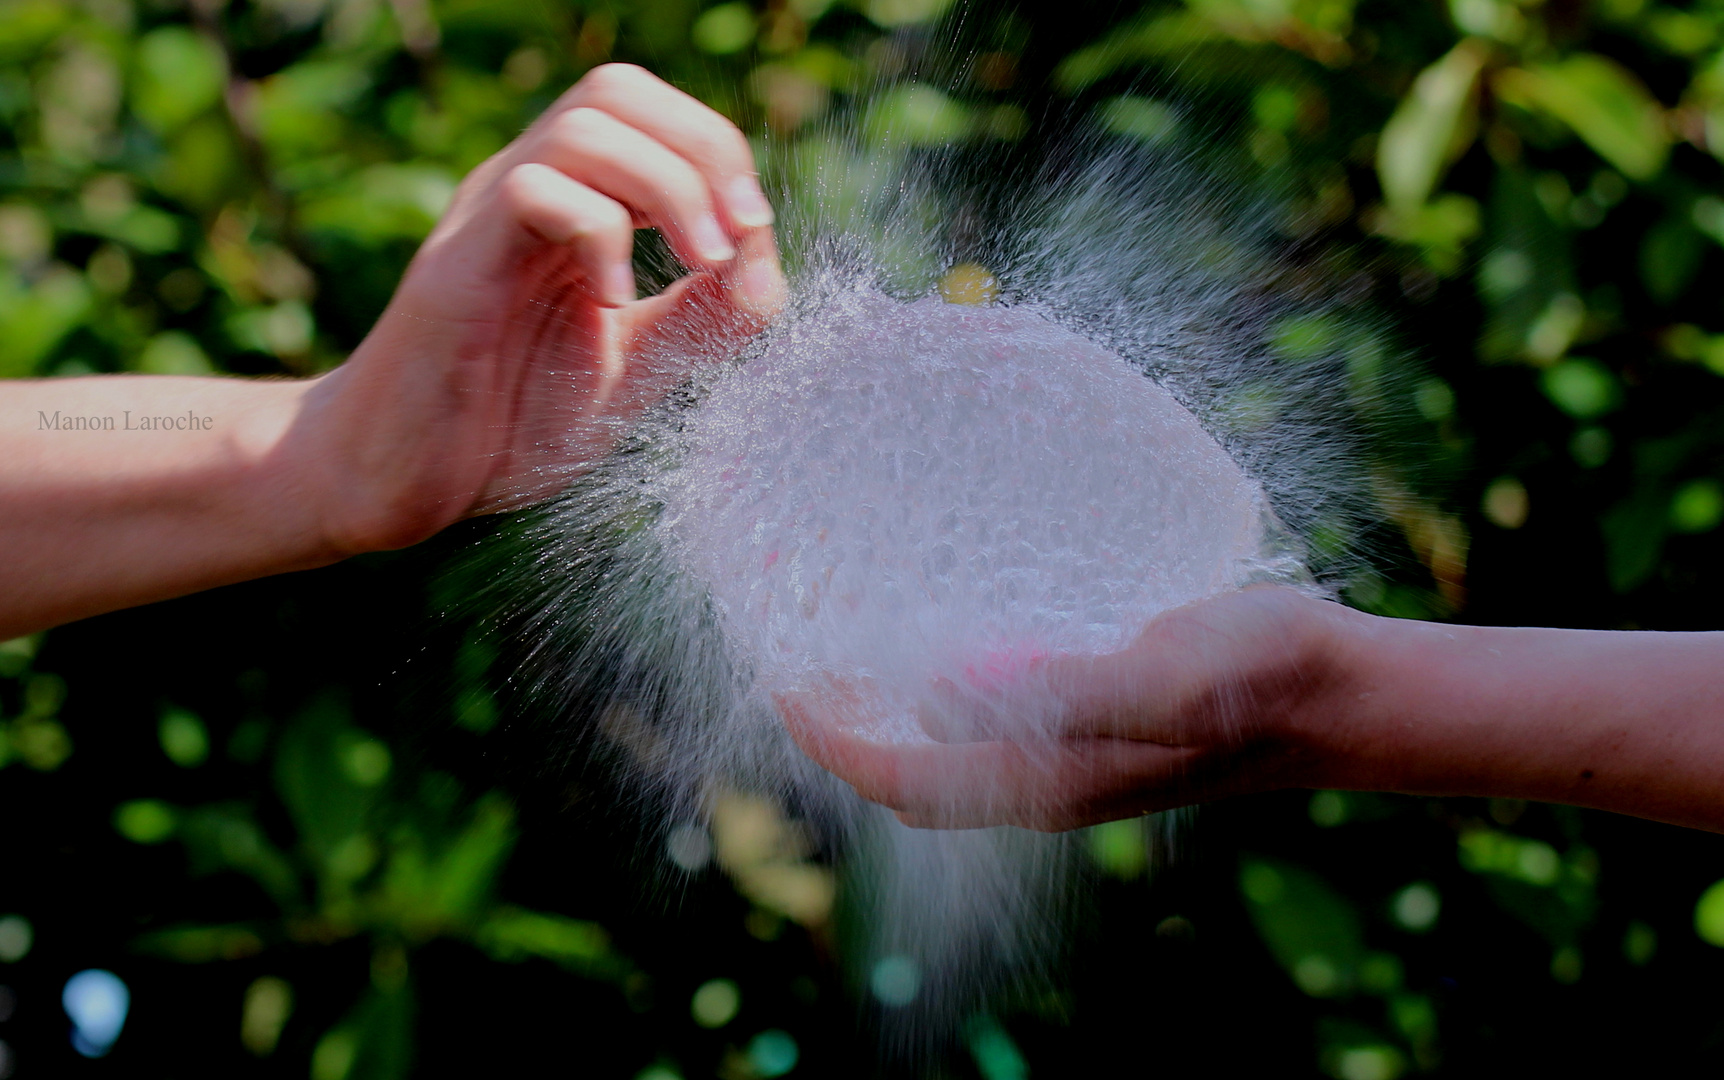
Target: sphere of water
{"x": 929, "y": 494}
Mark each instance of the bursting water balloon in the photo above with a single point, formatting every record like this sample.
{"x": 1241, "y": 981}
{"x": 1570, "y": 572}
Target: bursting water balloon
{"x": 925, "y": 500}
{"x": 912, "y": 493}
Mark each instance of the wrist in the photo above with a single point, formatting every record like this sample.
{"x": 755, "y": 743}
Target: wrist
{"x": 1342, "y": 655}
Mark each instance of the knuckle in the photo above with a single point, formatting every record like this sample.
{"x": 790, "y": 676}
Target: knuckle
{"x": 521, "y": 186}
{"x": 579, "y": 125}
{"x": 605, "y": 218}
{"x": 614, "y": 76}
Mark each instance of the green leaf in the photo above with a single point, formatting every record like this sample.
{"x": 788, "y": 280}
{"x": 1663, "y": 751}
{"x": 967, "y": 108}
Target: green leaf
{"x": 1602, "y": 102}
{"x": 382, "y": 203}
{"x": 177, "y": 74}
{"x": 1634, "y": 533}
{"x": 512, "y": 934}
{"x": 1433, "y": 126}
{"x": 1669, "y": 257}
{"x": 145, "y": 821}
{"x": 35, "y": 319}
{"x": 201, "y": 944}
{"x": 725, "y": 29}
{"x": 1709, "y": 915}
{"x": 1312, "y": 930}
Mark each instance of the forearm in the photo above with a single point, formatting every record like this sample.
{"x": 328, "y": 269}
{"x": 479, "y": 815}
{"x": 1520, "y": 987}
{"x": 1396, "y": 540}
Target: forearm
{"x": 1625, "y": 721}
{"x": 122, "y": 490}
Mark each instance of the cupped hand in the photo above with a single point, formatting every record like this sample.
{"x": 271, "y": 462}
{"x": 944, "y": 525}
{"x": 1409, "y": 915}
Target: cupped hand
{"x": 515, "y": 346}
{"x": 1220, "y": 697}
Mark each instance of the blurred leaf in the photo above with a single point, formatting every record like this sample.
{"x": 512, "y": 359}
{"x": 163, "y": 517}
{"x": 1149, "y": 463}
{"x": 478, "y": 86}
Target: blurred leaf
{"x": 1144, "y": 119}
{"x": 724, "y": 29}
{"x": 384, "y": 202}
{"x": 1311, "y": 929}
{"x": 374, "y": 1041}
{"x": 226, "y": 836}
{"x": 1584, "y": 389}
{"x": 145, "y": 821}
{"x": 1527, "y": 278}
{"x": 1120, "y": 848}
{"x": 201, "y": 944}
{"x": 35, "y": 318}
{"x": 917, "y": 115}
{"x": 202, "y": 163}
{"x": 1634, "y": 532}
{"x": 1697, "y": 506}
{"x": 177, "y": 74}
{"x": 1433, "y": 125}
{"x": 183, "y": 737}
{"x": 1709, "y": 915}
{"x": 327, "y": 806}
{"x": 174, "y": 352}
{"x": 300, "y": 111}
{"x": 512, "y": 934}
{"x": 1604, "y": 103}
{"x": 1669, "y": 257}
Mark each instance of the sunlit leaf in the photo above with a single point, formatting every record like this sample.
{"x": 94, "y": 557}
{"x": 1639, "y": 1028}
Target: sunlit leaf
{"x": 1431, "y": 127}
{"x": 178, "y": 74}
{"x": 1604, "y": 103}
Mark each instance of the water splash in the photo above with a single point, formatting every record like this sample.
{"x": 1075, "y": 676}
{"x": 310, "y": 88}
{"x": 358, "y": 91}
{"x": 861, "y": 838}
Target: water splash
{"x": 914, "y": 494}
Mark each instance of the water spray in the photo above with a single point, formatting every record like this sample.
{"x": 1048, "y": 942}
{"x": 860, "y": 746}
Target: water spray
{"x": 921, "y": 499}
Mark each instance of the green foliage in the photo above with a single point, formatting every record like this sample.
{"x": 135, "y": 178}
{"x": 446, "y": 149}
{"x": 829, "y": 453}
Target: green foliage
{"x": 1532, "y": 189}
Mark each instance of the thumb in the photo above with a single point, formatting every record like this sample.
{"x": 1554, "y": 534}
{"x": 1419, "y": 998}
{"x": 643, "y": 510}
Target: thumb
{"x": 704, "y": 317}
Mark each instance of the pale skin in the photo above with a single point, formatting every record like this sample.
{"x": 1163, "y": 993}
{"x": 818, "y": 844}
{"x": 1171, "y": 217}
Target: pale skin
{"x": 514, "y": 348}
{"x": 1269, "y": 688}
{"x": 506, "y": 359}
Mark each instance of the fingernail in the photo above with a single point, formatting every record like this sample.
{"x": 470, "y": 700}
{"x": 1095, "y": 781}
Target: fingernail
{"x": 748, "y": 204}
{"x": 620, "y": 284}
{"x": 710, "y": 241}
{"x": 762, "y": 284}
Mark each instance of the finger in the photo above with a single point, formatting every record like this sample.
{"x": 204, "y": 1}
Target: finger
{"x": 558, "y": 210}
{"x": 604, "y": 153}
{"x": 701, "y": 318}
{"x": 1048, "y": 786}
{"x": 700, "y": 134}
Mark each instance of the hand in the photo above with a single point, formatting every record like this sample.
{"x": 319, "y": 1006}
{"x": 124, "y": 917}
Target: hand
{"x": 515, "y": 347}
{"x": 1211, "y": 699}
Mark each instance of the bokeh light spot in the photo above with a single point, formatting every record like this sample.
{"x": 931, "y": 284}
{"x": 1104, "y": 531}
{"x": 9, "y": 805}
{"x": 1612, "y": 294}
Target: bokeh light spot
{"x": 1698, "y": 506}
{"x": 16, "y": 937}
{"x": 1369, "y": 1063}
{"x": 689, "y": 847}
{"x": 97, "y": 1002}
{"x": 1416, "y": 907}
{"x": 1709, "y": 915}
{"x": 1505, "y": 503}
{"x": 716, "y": 1003}
{"x": 145, "y": 821}
{"x": 724, "y": 29}
{"x": 1328, "y": 809}
{"x": 772, "y": 1053}
{"x": 366, "y": 762}
{"x": 1120, "y": 848}
{"x": 969, "y": 283}
{"x": 1581, "y": 388}
{"x": 183, "y": 738}
{"x": 896, "y": 980}
{"x": 268, "y": 1004}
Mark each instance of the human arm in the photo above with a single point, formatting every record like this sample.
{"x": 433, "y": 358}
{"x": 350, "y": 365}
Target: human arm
{"x": 507, "y": 361}
{"x": 1268, "y": 688}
